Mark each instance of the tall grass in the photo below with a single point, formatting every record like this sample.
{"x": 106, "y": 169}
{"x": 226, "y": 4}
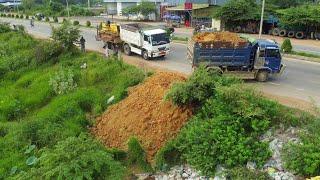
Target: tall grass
{"x": 32, "y": 113}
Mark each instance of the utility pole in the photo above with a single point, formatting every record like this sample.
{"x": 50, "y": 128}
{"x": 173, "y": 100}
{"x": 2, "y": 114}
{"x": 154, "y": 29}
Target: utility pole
{"x": 88, "y": 4}
{"x": 261, "y": 20}
{"x": 68, "y": 9}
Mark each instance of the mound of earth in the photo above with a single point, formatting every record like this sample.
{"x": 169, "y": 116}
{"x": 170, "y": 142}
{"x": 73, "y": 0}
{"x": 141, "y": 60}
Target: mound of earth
{"x": 145, "y": 115}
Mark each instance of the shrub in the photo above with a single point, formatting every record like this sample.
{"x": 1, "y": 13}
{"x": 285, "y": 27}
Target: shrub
{"x": 47, "y": 51}
{"x": 21, "y": 16}
{"x": 240, "y": 173}
{"x": 66, "y": 34}
{"x": 17, "y": 16}
{"x": 88, "y": 23}
{"x": 136, "y": 154}
{"x": 76, "y": 158}
{"x": 27, "y": 16}
{"x": 63, "y": 82}
{"x": 4, "y": 27}
{"x": 304, "y": 158}
{"x": 47, "y": 19}
{"x": 76, "y": 23}
{"x": 286, "y": 46}
{"x": 64, "y": 20}
{"x": 55, "y": 19}
{"x": 4, "y": 15}
{"x": 199, "y": 87}
{"x": 167, "y": 156}
{"x": 39, "y": 18}
{"x": 227, "y": 128}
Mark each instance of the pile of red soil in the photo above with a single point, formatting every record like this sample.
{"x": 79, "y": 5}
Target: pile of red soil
{"x": 145, "y": 115}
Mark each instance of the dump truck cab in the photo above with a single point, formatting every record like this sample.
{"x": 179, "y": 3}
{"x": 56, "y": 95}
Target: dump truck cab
{"x": 156, "y": 42}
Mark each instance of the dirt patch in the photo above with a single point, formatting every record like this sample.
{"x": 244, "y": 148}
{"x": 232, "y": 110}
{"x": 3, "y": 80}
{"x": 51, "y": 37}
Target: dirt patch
{"x": 220, "y": 39}
{"x": 145, "y": 115}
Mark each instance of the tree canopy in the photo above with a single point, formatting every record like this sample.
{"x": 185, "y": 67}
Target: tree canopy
{"x": 239, "y": 11}
{"x": 306, "y": 15}
{"x": 145, "y": 8}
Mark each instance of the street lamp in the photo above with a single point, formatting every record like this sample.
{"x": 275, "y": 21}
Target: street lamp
{"x": 261, "y": 20}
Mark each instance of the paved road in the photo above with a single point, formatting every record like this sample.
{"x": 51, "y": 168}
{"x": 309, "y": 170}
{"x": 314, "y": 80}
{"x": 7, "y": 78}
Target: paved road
{"x": 301, "y": 79}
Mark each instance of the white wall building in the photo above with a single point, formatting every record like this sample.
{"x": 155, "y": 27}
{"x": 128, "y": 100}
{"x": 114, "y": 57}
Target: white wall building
{"x": 116, "y": 6}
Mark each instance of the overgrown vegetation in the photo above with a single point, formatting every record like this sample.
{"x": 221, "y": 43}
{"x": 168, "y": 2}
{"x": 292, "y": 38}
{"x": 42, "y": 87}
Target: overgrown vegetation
{"x": 226, "y": 127}
{"x": 66, "y": 34}
{"x": 32, "y": 114}
{"x": 304, "y": 157}
{"x": 137, "y": 155}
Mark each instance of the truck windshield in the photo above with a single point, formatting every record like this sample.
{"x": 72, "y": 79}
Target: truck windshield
{"x": 159, "y": 39}
{"x": 273, "y": 53}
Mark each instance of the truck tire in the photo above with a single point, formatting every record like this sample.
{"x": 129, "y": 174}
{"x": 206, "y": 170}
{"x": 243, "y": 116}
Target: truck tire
{"x": 145, "y": 55}
{"x": 127, "y": 49}
{"x": 283, "y": 33}
{"x": 276, "y": 31}
{"x": 237, "y": 29}
{"x": 299, "y": 35}
{"x": 262, "y": 76}
{"x": 291, "y": 34}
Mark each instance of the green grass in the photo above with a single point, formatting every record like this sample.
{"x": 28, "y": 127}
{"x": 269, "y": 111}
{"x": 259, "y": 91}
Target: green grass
{"x": 183, "y": 39}
{"x": 31, "y": 113}
{"x": 305, "y": 54}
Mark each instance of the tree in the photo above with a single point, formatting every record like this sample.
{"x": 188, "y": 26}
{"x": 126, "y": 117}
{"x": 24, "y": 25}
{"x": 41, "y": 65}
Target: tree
{"x": 66, "y": 34}
{"x": 28, "y": 4}
{"x": 306, "y": 16}
{"x": 238, "y": 11}
{"x": 145, "y": 8}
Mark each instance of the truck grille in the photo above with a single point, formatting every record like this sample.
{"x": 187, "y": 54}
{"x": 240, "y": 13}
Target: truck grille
{"x": 162, "y": 48}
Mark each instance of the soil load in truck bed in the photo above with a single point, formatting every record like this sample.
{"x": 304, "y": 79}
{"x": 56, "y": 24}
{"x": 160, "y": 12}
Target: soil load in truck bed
{"x": 220, "y": 40}
{"x": 145, "y": 115}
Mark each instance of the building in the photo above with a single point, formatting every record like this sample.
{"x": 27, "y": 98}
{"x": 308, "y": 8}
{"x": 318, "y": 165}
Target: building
{"x": 115, "y": 7}
{"x": 193, "y": 12}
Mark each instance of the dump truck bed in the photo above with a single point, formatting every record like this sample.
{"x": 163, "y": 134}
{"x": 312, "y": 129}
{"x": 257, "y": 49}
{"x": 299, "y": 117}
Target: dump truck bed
{"x": 213, "y": 56}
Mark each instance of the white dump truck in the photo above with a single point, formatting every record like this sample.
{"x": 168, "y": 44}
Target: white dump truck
{"x": 142, "y": 39}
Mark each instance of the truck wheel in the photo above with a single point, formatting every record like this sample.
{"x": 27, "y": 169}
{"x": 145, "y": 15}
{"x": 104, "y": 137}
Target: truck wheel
{"x": 299, "y": 35}
{"x": 262, "y": 76}
{"x": 145, "y": 55}
{"x": 127, "y": 49}
{"x": 291, "y": 34}
{"x": 283, "y": 33}
{"x": 276, "y": 31}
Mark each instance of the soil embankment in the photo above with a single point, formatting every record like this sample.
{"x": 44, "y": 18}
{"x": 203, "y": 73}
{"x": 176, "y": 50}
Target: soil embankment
{"x": 145, "y": 115}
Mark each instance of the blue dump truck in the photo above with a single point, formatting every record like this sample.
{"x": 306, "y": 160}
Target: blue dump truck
{"x": 257, "y": 59}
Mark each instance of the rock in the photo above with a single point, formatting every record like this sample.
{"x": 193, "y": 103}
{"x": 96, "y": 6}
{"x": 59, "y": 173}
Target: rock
{"x": 83, "y": 66}
{"x": 185, "y": 175}
{"x": 251, "y": 165}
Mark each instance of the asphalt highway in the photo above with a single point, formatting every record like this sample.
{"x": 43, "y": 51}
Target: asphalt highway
{"x": 301, "y": 79}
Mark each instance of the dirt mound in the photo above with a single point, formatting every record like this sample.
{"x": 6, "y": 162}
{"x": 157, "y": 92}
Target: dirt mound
{"x": 145, "y": 115}
{"x": 220, "y": 39}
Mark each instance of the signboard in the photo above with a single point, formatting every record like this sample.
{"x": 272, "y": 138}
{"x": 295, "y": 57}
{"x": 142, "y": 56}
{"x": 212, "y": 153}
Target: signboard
{"x": 188, "y": 6}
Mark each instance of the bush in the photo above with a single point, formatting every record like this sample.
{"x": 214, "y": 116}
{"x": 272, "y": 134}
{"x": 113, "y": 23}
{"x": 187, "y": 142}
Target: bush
{"x": 88, "y": 23}
{"x": 4, "y": 27}
{"x": 136, "y": 155}
{"x": 4, "y": 15}
{"x": 167, "y": 156}
{"x": 21, "y": 16}
{"x": 55, "y": 19}
{"x": 304, "y": 158}
{"x": 76, "y": 23}
{"x": 27, "y": 16}
{"x": 64, "y": 20}
{"x": 47, "y": 19}
{"x": 66, "y": 34}
{"x": 286, "y": 46}
{"x": 17, "y": 16}
{"x": 47, "y": 51}
{"x": 76, "y": 158}
{"x": 63, "y": 82}
{"x": 240, "y": 173}
{"x": 199, "y": 87}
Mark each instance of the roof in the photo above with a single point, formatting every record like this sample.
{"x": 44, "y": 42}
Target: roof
{"x": 154, "y": 31}
{"x": 181, "y": 7}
